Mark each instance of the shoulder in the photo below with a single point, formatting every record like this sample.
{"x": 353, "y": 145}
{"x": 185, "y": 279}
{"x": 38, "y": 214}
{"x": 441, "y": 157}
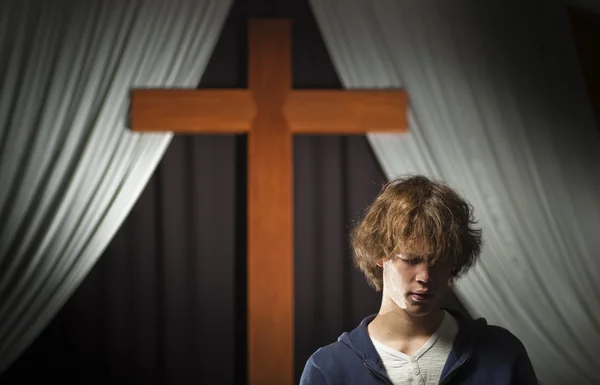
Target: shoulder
{"x": 496, "y": 352}
{"x": 501, "y": 338}
{"x": 487, "y": 340}
{"x": 330, "y": 355}
{"x": 481, "y": 335}
{"x": 501, "y": 353}
{"x": 331, "y": 362}
{"x": 499, "y": 347}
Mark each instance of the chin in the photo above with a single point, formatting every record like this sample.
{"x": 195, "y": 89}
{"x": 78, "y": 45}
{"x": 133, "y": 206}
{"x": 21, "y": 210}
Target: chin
{"x": 417, "y": 311}
{"x": 420, "y": 309}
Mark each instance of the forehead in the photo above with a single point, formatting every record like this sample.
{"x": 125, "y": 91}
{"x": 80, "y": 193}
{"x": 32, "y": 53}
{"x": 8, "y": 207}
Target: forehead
{"x": 429, "y": 258}
{"x": 422, "y": 250}
{"x": 427, "y": 248}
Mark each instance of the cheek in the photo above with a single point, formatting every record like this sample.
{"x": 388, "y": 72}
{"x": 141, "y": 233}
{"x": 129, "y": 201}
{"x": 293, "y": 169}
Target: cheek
{"x": 398, "y": 277}
{"x": 392, "y": 275}
{"x": 441, "y": 276}
{"x": 392, "y": 271}
{"x": 445, "y": 270}
{"x": 394, "y": 285}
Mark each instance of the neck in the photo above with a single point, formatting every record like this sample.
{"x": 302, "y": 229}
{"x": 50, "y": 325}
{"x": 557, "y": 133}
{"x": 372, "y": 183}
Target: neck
{"x": 394, "y": 323}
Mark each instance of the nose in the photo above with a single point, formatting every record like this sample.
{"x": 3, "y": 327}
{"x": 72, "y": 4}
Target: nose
{"x": 422, "y": 273}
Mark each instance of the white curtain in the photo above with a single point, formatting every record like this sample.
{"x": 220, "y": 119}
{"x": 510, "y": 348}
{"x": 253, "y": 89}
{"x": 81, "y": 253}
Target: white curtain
{"x": 70, "y": 171}
{"x": 498, "y": 110}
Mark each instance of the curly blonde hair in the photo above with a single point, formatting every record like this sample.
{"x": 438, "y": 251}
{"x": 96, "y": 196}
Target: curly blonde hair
{"x": 418, "y": 216}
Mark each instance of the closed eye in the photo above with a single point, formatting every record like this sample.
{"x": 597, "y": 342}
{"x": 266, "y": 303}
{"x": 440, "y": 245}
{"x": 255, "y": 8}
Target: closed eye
{"x": 412, "y": 261}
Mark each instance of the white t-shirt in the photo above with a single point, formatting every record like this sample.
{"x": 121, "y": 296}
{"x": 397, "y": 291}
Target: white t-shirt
{"x": 426, "y": 364}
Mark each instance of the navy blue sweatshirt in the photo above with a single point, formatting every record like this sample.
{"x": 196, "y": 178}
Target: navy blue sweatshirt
{"x": 481, "y": 354}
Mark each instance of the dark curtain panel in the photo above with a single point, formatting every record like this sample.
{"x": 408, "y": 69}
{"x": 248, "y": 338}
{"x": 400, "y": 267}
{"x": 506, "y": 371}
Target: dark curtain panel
{"x": 336, "y": 178}
{"x": 165, "y": 304}
{"x": 585, "y": 27}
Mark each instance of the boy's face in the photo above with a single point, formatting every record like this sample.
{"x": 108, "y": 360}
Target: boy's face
{"x": 413, "y": 285}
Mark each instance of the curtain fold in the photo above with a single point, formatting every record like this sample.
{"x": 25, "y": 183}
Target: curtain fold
{"x": 498, "y": 109}
{"x": 70, "y": 170}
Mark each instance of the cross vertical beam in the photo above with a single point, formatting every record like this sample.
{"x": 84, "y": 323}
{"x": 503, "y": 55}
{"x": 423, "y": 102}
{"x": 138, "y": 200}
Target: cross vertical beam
{"x": 270, "y": 206}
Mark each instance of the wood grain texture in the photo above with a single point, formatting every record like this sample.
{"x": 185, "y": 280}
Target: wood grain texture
{"x": 270, "y": 208}
{"x": 192, "y": 111}
{"x": 346, "y": 112}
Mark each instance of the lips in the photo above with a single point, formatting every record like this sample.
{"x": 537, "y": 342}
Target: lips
{"x": 421, "y": 295}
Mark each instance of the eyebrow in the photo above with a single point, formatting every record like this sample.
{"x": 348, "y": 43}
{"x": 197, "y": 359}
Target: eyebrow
{"x": 408, "y": 256}
{"x": 414, "y": 255}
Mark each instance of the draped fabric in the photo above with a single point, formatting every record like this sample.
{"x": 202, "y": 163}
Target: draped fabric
{"x": 70, "y": 171}
{"x": 499, "y": 111}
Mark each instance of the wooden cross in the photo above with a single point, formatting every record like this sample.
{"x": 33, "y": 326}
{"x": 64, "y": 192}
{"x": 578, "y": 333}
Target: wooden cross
{"x": 269, "y": 112}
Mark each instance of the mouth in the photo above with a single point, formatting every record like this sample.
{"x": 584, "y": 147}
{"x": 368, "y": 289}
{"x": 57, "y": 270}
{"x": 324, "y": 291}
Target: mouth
{"x": 421, "y": 296}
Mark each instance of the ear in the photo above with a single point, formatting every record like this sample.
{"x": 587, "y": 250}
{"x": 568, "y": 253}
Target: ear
{"x": 380, "y": 263}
